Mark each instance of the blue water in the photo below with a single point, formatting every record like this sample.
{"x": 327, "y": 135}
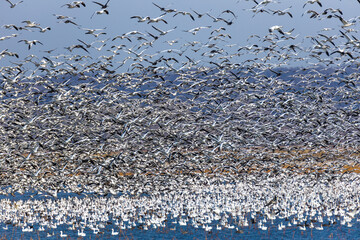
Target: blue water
{"x": 336, "y": 231}
{"x": 332, "y": 229}
{"x": 334, "y": 226}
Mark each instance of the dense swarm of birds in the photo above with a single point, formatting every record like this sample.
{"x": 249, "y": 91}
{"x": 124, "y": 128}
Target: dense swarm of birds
{"x": 152, "y": 111}
{"x": 239, "y": 208}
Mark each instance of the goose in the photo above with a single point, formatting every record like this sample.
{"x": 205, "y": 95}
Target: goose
{"x": 81, "y": 233}
{"x": 30, "y": 24}
{"x": 282, "y": 12}
{"x": 196, "y": 30}
{"x": 263, "y": 227}
{"x": 103, "y": 11}
{"x": 302, "y": 228}
{"x": 9, "y": 26}
{"x": 208, "y": 228}
{"x": 134, "y": 33}
{"x": 42, "y": 30}
{"x": 276, "y": 28}
{"x": 218, "y": 30}
{"x": 313, "y": 13}
{"x": 69, "y": 5}
{"x": 122, "y": 37}
{"x": 62, "y": 234}
{"x": 156, "y": 20}
{"x": 113, "y": 232}
{"x": 50, "y": 234}
{"x": 7, "y": 37}
{"x": 25, "y": 229}
{"x": 199, "y": 15}
{"x": 163, "y": 32}
{"x": 69, "y": 21}
{"x": 332, "y": 10}
{"x": 92, "y": 31}
{"x": 12, "y": 5}
{"x": 96, "y": 230}
{"x": 344, "y": 22}
{"x": 141, "y": 19}
{"x": 78, "y": 3}
{"x": 313, "y": 2}
{"x": 230, "y": 12}
{"x": 62, "y": 16}
{"x": 184, "y": 13}
{"x": 164, "y": 9}
{"x": 219, "y": 19}
{"x": 320, "y": 228}
{"x": 30, "y": 43}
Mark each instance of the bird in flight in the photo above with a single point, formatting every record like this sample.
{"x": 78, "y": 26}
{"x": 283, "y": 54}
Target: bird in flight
{"x": 167, "y": 10}
{"x": 30, "y": 43}
{"x": 103, "y": 11}
{"x": 12, "y": 5}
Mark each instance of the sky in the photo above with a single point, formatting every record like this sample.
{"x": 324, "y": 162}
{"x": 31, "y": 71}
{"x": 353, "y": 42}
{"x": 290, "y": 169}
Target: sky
{"x": 119, "y": 22}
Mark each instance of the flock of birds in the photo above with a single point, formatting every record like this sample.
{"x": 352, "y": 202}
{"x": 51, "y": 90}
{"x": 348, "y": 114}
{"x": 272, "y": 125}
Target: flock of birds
{"x": 144, "y": 113}
{"x": 300, "y": 203}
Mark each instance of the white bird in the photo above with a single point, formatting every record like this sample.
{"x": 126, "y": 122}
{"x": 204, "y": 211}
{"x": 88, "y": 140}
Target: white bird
{"x": 7, "y": 37}
{"x": 344, "y": 22}
{"x": 276, "y": 28}
{"x": 319, "y": 228}
{"x": 42, "y": 30}
{"x": 141, "y": 19}
{"x": 163, "y": 32}
{"x": 279, "y": 29}
{"x": 69, "y": 5}
{"x": 62, "y": 235}
{"x": 103, "y": 11}
{"x": 92, "y": 31}
{"x": 166, "y": 10}
{"x": 113, "y": 232}
{"x": 30, "y": 43}
{"x": 195, "y": 30}
{"x": 31, "y": 24}
{"x": 185, "y": 13}
{"x": 312, "y": 2}
{"x": 302, "y": 228}
{"x": 158, "y": 19}
{"x": 81, "y": 234}
{"x": 282, "y": 12}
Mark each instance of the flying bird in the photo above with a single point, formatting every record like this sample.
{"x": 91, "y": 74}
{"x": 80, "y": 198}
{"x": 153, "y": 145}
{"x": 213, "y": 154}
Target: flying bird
{"x": 141, "y": 19}
{"x": 158, "y": 19}
{"x": 103, "y": 11}
{"x": 30, "y": 43}
{"x": 199, "y": 15}
{"x": 229, "y": 11}
{"x": 12, "y": 5}
{"x": 163, "y": 32}
{"x": 313, "y": 2}
{"x": 167, "y": 10}
{"x": 195, "y": 30}
{"x": 185, "y": 13}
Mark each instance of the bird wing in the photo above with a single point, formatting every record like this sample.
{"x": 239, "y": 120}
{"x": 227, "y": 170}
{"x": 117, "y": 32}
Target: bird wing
{"x": 157, "y": 29}
{"x": 100, "y": 4}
